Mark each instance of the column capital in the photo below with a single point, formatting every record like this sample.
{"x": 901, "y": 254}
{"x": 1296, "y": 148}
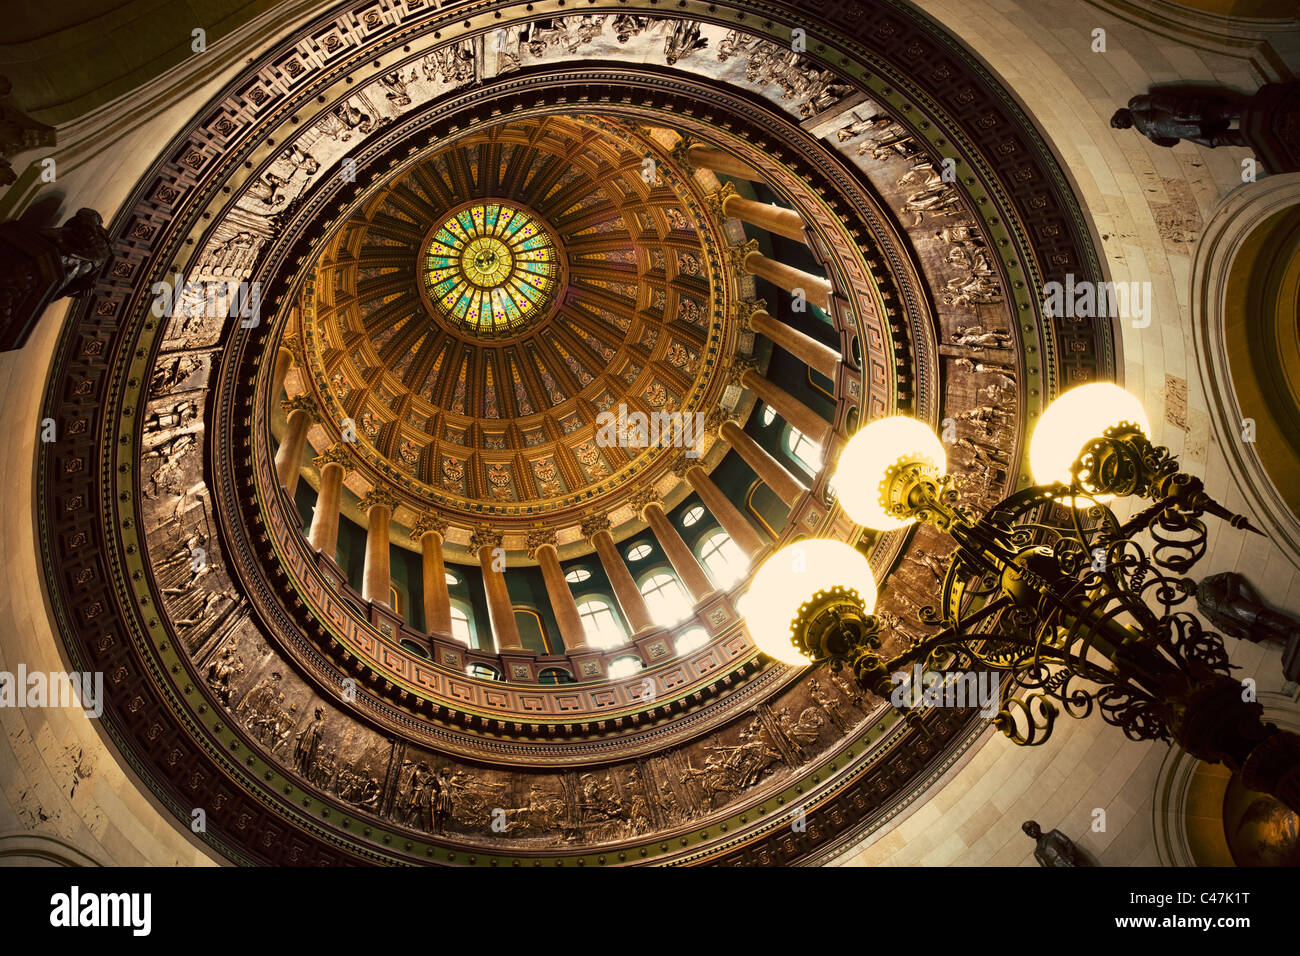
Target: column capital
{"x": 594, "y": 524}
{"x": 737, "y": 369}
{"x": 717, "y": 200}
{"x": 713, "y": 422}
{"x": 738, "y": 254}
{"x": 484, "y": 537}
{"x": 428, "y": 521}
{"x": 681, "y": 153}
{"x": 338, "y": 453}
{"x": 642, "y": 498}
{"x": 378, "y": 497}
{"x": 681, "y": 465}
{"x": 745, "y": 310}
{"x": 537, "y": 537}
{"x": 302, "y": 403}
{"x": 293, "y": 344}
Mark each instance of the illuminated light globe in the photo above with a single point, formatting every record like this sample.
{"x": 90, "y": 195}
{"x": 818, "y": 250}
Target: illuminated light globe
{"x": 868, "y": 456}
{"x": 1074, "y": 419}
{"x": 788, "y": 579}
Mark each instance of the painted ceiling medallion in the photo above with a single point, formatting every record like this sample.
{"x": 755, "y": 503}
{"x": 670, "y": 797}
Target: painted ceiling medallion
{"x": 491, "y": 269}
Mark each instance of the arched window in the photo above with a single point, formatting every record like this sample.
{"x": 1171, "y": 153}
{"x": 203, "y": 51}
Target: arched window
{"x": 578, "y": 575}
{"x": 601, "y": 624}
{"x": 482, "y": 671}
{"x": 692, "y": 516}
{"x": 554, "y": 675}
{"x": 665, "y": 598}
{"x": 804, "y": 450}
{"x": 624, "y": 667}
{"x": 639, "y": 553}
{"x": 723, "y": 559}
{"x": 452, "y": 578}
{"x": 460, "y": 626}
{"x": 768, "y": 416}
{"x": 414, "y": 648}
{"x": 691, "y": 639}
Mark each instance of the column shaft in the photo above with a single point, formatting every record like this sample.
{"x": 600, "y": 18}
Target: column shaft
{"x": 437, "y": 599}
{"x": 679, "y": 555}
{"x": 625, "y": 589}
{"x": 731, "y": 518}
{"x": 324, "y": 534}
{"x": 706, "y": 157}
{"x": 377, "y": 576}
{"x": 562, "y": 603}
{"x": 816, "y": 289}
{"x": 787, "y": 487}
{"x": 802, "y": 346}
{"x": 288, "y": 457}
{"x": 788, "y": 407}
{"x": 283, "y": 362}
{"x": 500, "y": 609}
{"x": 775, "y": 219}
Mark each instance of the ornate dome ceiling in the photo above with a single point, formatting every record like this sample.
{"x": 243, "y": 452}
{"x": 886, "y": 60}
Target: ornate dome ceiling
{"x": 360, "y": 172}
{"x": 476, "y": 316}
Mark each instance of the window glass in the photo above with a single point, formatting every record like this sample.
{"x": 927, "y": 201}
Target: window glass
{"x": 665, "y": 598}
{"x": 460, "y": 629}
{"x": 691, "y": 639}
{"x": 723, "y": 559}
{"x": 600, "y": 624}
{"x": 624, "y": 667}
{"x": 805, "y": 451}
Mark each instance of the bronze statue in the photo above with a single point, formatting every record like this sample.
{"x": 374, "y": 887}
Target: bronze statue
{"x": 1054, "y": 848}
{"x": 1165, "y": 118}
{"x": 1233, "y": 606}
{"x": 40, "y": 265}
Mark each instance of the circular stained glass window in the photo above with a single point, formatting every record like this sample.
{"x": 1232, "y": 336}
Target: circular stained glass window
{"x": 491, "y": 269}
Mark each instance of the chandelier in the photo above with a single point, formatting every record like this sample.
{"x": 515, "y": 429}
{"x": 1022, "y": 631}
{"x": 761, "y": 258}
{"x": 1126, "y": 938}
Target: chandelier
{"x": 1072, "y": 608}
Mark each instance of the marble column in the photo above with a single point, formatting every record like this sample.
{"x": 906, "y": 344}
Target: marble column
{"x": 288, "y": 457}
{"x": 816, "y": 355}
{"x": 596, "y": 529}
{"x": 728, "y": 204}
{"x": 542, "y": 549}
{"x": 377, "y": 577}
{"x": 706, "y": 157}
{"x": 680, "y": 556}
{"x": 787, "y": 406}
{"x": 429, "y": 530}
{"x": 283, "y": 362}
{"x": 324, "y": 534}
{"x": 501, "y": 610}
{"x": 770, "y": 471}
{"x": 731, "y": 518}
{"x": 746, "y": 258}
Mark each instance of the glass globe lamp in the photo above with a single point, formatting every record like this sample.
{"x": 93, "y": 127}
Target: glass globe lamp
{"x": 788, "y": 579}
{"x": 868, "y": 458}
{"x": 1075, "y": 418}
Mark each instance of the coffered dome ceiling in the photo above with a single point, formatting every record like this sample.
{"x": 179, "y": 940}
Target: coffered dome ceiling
{"x": 479, "y": 312}
{"x": 476, "y": 227}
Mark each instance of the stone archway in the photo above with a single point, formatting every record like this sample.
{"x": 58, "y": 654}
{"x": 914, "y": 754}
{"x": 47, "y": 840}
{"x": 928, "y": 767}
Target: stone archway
{"x": 1244, "y": 314}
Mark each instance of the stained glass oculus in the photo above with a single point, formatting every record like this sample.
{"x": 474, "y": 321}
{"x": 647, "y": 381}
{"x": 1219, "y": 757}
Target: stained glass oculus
{"x": 491, "y": 269}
